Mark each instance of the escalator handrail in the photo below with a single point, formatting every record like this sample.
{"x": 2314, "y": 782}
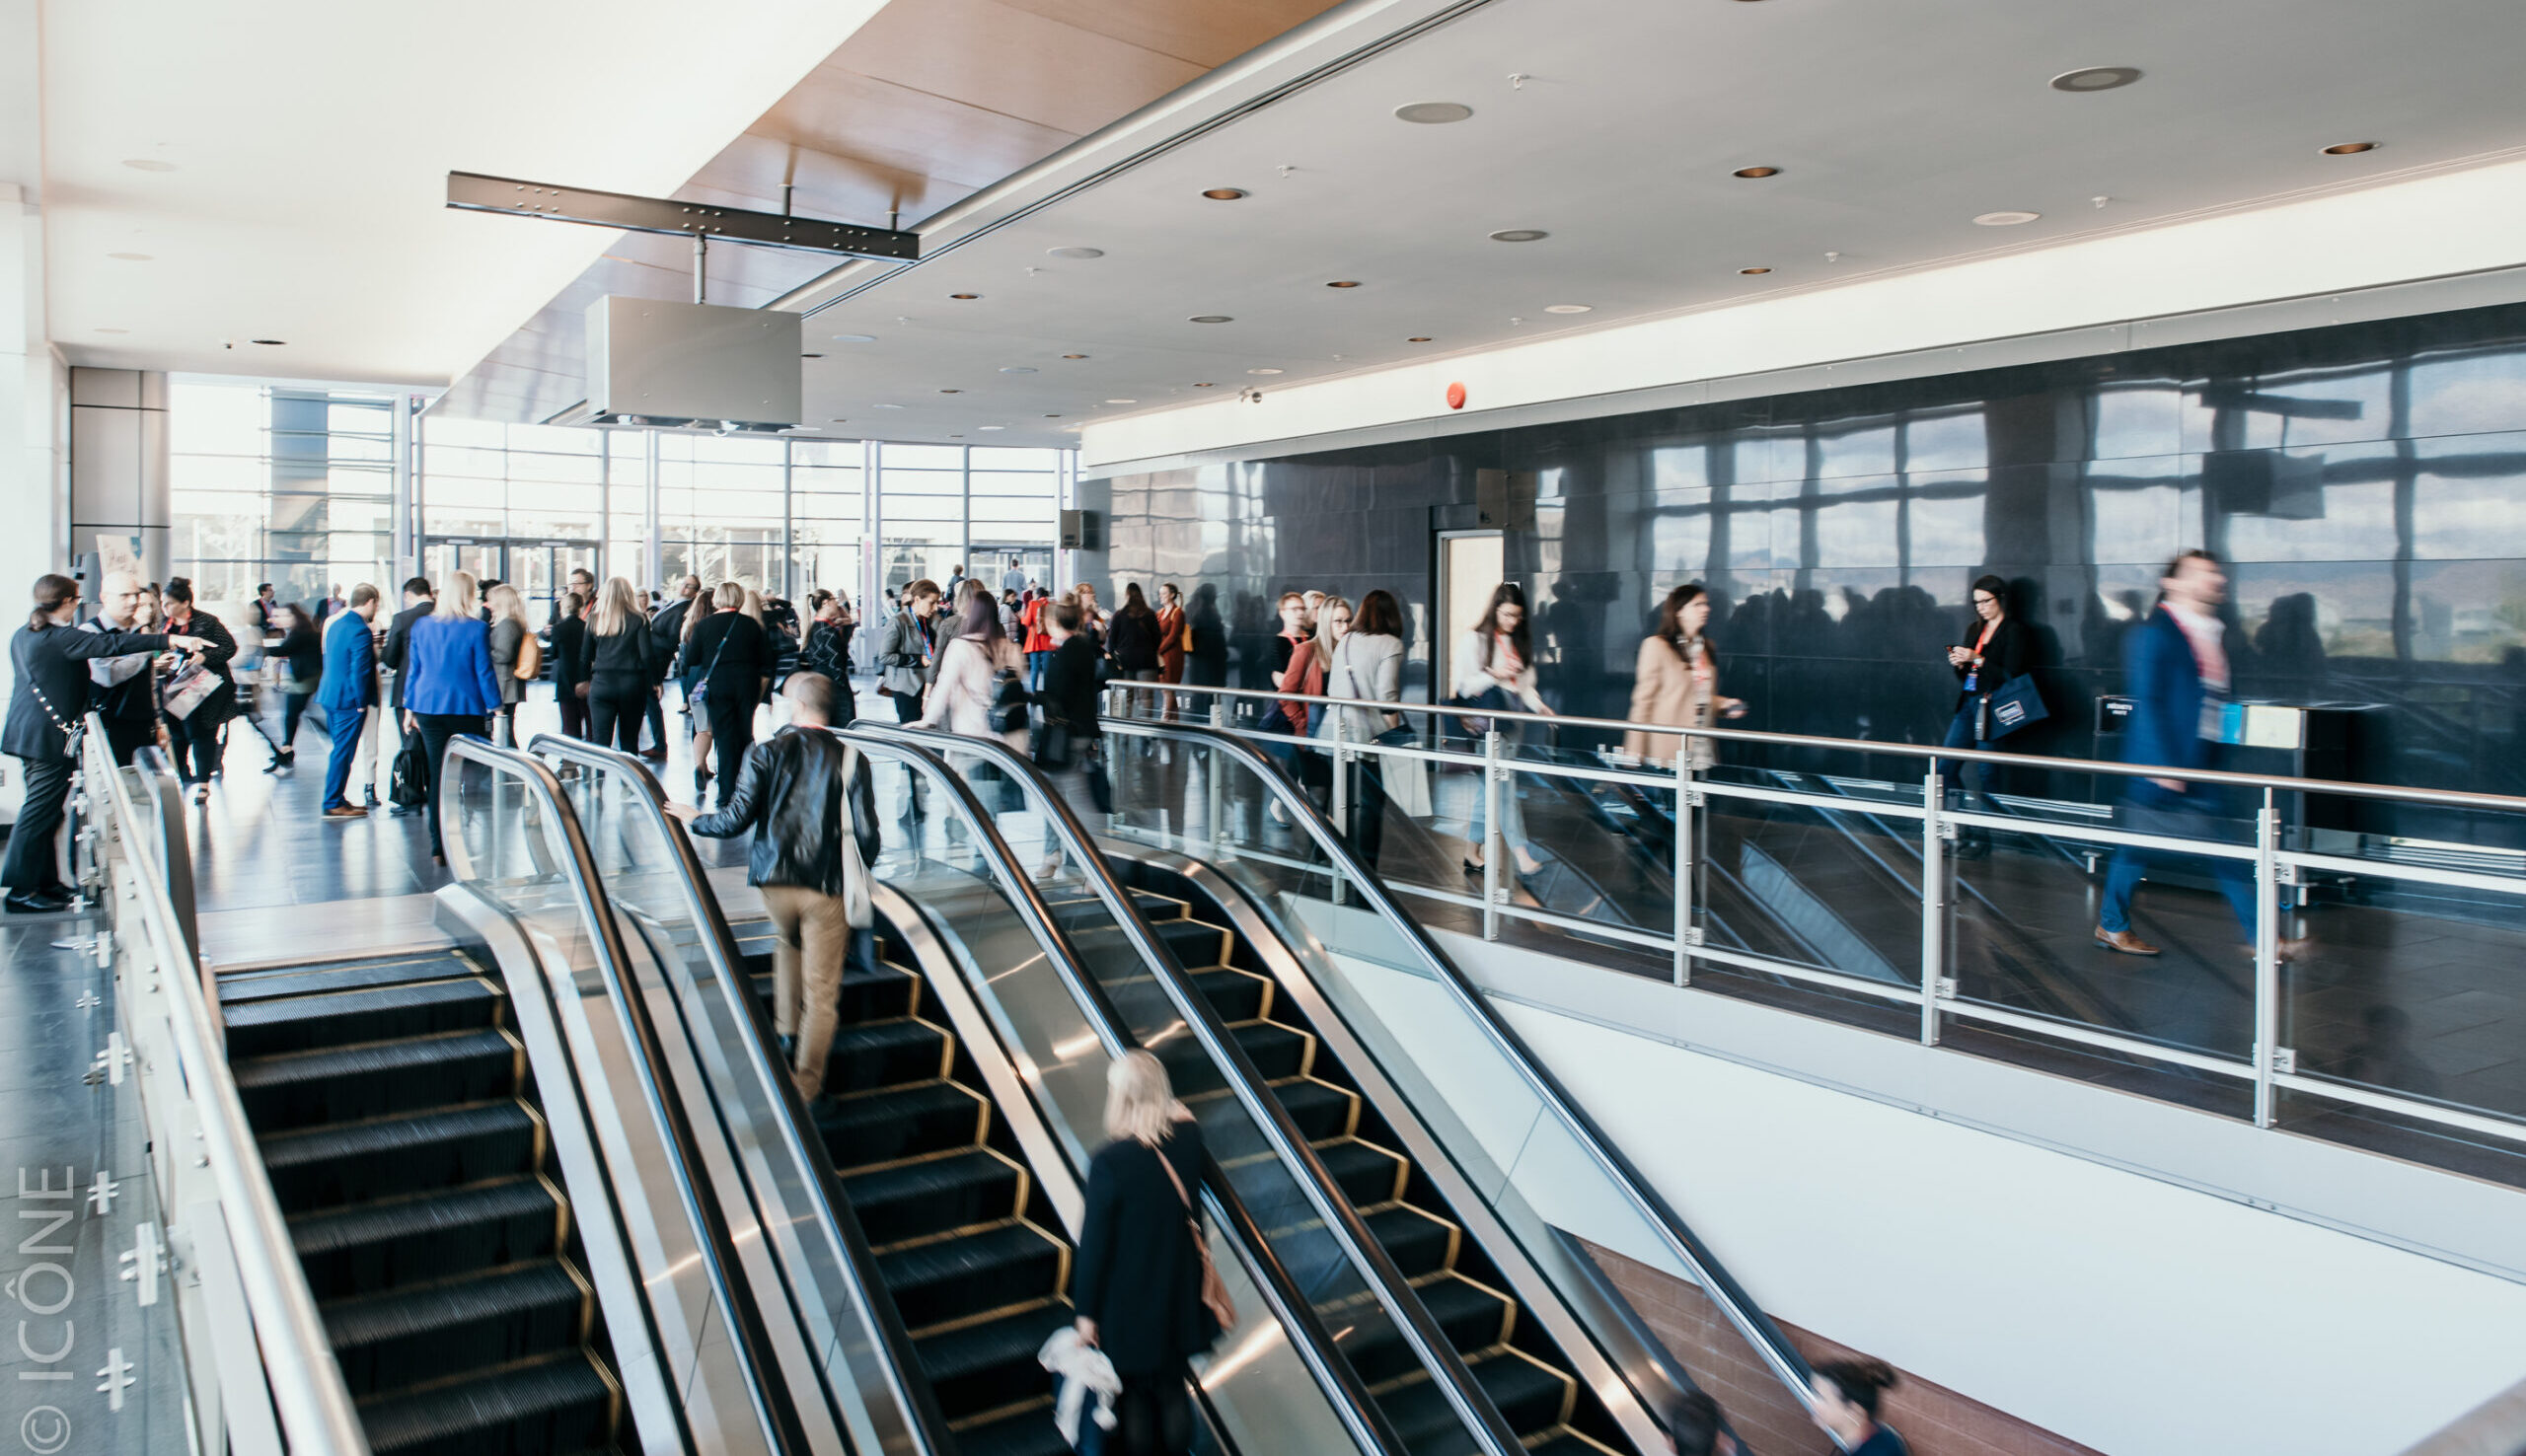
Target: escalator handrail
{"x": 714, "y": 1245}
{"x": 315, "y": 1405}
{"x": 1394, "y": 1294}
{"x": 919, "y": 1405}
{"x": 1315, "y": 1345}
{"x": 1786, "y": 1363}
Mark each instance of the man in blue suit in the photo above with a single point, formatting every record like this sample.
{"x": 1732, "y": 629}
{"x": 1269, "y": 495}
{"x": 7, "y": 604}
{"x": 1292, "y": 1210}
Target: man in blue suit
{"x": 347, "y": 693}
{"x": 2175, "y": 669}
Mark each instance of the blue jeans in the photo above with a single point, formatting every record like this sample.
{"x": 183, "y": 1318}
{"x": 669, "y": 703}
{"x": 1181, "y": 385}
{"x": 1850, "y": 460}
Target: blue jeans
{"x": 1036, "y": 663}
{"x": 2179, "y": 818}
{"x": 344, "y": 724}
{"x": 1959, "y": 735}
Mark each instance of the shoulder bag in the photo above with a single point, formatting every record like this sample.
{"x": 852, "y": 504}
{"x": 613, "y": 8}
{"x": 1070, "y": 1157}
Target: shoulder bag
{"x": 701, "y": 693}
{"x": 2010, "y": 706}
{"x": 72, "y": 736}
{"x": 530, "y": 658}
{"x": 1214, "y": 1288}
{"x": 409, "y": 786}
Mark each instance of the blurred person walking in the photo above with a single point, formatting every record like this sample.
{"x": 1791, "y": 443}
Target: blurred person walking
{"x": 908, "y": 661}
{"x": 1132, "y": 638}
{"x": 1676, "y": 684}
{"x": 345, "y": 698}
{"x": 1495, "y": 669}
{"x": 302, "y": 655}
{"x": 201, "y": 693}
{"x": 971, "y": 691}
{"x": 809, "y": 798}
{"x": 569, "y": 659}
{"x": 1997, "y": 649}
{"x": 509, "y": 632}
{"x": 729, "y": 660}
{"x": 453, "y": 691}
{"x": 666, "y": 635}
{"x": 1366, "y": 663}
{"x": 615, "y": 668}
{"x": 1067, "y": 747}
{"x": 1845, "y": 1407}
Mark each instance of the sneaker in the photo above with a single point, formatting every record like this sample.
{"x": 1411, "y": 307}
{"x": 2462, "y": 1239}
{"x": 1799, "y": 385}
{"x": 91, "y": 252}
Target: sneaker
{"x": 35, "y": 903}
{"x": 346, "y": 811}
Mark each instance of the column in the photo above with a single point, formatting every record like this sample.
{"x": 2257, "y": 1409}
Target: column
{"x": 118, "y": 468}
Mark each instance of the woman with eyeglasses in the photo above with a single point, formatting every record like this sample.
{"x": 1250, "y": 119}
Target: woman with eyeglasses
{"x": 1995, "y": 649}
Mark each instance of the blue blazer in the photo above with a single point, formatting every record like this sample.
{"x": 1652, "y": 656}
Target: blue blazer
{"x": 350, "y": 666}
{"x": 447, "y": 662}
{"x": 2164, "y": 682}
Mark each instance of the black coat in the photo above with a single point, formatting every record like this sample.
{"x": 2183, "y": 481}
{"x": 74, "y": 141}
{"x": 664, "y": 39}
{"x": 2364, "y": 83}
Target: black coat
{"x": 790, "y": 793}
{"x": 616, "y": 666}
{"x": 306, "y": 653}
{"x": 568, "y": 651}
{"x": 53, "y": 661}
{"x": 1134, "y": 642}
{"x": 399, "y": 637}
{"x": 736, "y": 654}
{"x": 221, "y": 704}
{"x": 130, "y": 704}
{"x": 666, "y": 630}
{"x": 1069, "y": 694}
{"x": 1138, "y": 1273}
{"x": 2010, "y": 655}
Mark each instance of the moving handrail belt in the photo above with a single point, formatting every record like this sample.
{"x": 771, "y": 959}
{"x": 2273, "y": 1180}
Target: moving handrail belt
{"x": 718, "y": 1255}
{"x": 1768, "y": 1339}
{"x": 922, "y": 1422}
{"x": 1465, "y": 1397}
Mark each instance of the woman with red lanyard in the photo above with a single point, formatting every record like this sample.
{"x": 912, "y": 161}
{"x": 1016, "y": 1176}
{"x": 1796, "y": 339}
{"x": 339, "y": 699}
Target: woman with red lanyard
{"x": 1676, "y": 684}
{"x": 1994, "y": 651}
{"x": 1039, "y": 639}
{"x": 1495, "y": 668}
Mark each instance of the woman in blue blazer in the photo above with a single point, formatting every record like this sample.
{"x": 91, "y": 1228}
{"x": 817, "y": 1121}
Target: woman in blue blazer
{"x": 451, "y": 689}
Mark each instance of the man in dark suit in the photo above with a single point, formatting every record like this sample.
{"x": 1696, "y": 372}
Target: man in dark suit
{"x": 347, "y": 693}
{"x": 666, "y": 633}
{"x": 419, "y": 601}
{"x": 2176, "y": 670}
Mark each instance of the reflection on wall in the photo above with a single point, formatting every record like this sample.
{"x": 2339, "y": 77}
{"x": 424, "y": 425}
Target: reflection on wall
{"x": 2367, "y": 482}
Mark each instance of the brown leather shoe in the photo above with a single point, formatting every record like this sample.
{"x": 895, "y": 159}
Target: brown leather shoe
{"x": 2124, "y": 941}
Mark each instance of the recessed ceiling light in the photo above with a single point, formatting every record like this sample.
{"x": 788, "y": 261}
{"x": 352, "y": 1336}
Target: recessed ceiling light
{"x": 955, "y": 437}
{"x": 854, "y": 338}
{"x": 1211, "y": 319}
{"x": 114, "y": 330}
{"x": 132, "y": 257}
{"x": 951, "y": 392}
{"x": 1345, "y": 283}
{"x": 2096, "y": 78}
{"x": 839, "y": 419}
{"x": 1519, "y": 235}
{"x": 1225, "y": 195}
{"x": 1568, "y": 308}
{"x": 1016, "y": 368}
{"x": 148, "y": 163}
{"x": 1051, "y": 416}
{"x": 1204, "y": 387}
{"x": 1074, "y": 356}
{"x": 1262, "y": 371}
{"x": 2005, "y": 219}
{"x": 1418, "y": 338}
{"x": 2350, "y": 149}
{"x": 1433, "y": 114}
{"x": 811, "y": 356}
{"x": 268, "y": 342}
{"x": 965, "y": 297}
{"x": 992, "y": 427}
{"x": 1122, "y": 402}
{"x": 1753, "y": 172}
{"x": 1749, "y": 273}
{"x": 1079, "y": 252}
{"x": 890, "y": 407}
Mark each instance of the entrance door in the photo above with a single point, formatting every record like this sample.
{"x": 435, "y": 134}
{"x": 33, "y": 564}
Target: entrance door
{"x": 1470, "y": 567}
{"x": 539, "y": 569}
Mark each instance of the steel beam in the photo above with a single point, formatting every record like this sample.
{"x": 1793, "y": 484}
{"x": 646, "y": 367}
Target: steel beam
{"x": 475, "y": 192}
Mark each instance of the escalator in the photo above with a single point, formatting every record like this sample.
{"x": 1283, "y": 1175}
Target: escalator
{"x": 404, "y": 1138}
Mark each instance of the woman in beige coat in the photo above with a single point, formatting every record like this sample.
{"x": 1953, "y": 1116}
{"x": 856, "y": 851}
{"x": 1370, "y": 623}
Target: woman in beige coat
{"x": 1678, "y": 683}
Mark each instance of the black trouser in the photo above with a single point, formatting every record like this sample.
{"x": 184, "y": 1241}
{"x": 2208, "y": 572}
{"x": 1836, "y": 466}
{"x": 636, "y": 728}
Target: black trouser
{"x": 907, "y": 708}
{"x": 507, "y": 714}
{"x": 657, "y": 721}
{"x": 293, "y": 706}
{"x": 1153, "y": 1417}
{"x": 732, "y": 733}
{"x": 436, "y": 730}
{"x": 129, "y": 736}
{"x": 1368, "y": 809}
{"x": 196, "y": 742}
{"x": 574, "y": 708}
{"x": 30, "y": 866}
{"x": 614, "y": 715}
{"x": 907, "y": 711}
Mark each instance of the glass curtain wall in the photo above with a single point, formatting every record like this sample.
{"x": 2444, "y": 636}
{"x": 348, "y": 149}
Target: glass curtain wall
{"x": 292, "y": 486}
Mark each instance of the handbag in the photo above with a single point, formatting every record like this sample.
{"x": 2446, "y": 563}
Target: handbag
{"x": 1055, "y": 748}
{"x": 530, "y": 659}
{"x": 187, "y": 688}
{"x": 1008, "y": 701}
{"x": 2014, "y": 704}
{"x": 701, "y": 693}
{"x": 1100, "y": 790}
{"x": 71, "y": 737}
{"x": 409, "y": 786}
{"x": 1214, "y": 1288}
{"x": 1495, "y": 698}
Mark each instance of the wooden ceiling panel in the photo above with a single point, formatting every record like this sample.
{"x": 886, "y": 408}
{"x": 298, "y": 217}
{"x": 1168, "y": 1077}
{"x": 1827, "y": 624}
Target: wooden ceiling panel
{"x": 1205, "y": 36}
{"x": 998, "y": 58}
{"x": 891, "y": 125}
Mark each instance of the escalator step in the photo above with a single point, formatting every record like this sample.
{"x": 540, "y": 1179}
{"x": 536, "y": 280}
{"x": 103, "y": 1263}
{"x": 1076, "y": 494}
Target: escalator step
{"x": 353, "y": 1162}
{"x": 1321, "y": 1110}
{"x": 1529, "y": 1396}
{"x": 1365, "y": 1173}
{"x": 410, "y": 1337}
{"x": 369, "y": 1247}
{"x": 889, "y": 994}
{"x": 1156, "y": 909}
{"x": 561, "y": 1403}
{"x": 1472, "y": 1317}
{"x": 344, "y": 1084}
{"x": 1277, "y": 1051}
{"x": 886, "y": 1054}
{"x": 376, "y": 1014}
{"x": 992, "y": 1364}
{"x": 241, "y": 986}
{"x": 910, "y": 1200}
{"x": 1194, "y": 942}
{"x": 972, "y": 1273}
{"x": 1234, "y": 995}
{"x": 899, "y": 1122}
{"x": 1026, "y": 1433}
{"x": 1419, "y": 1243}
{"x": 1567, "y": 1442}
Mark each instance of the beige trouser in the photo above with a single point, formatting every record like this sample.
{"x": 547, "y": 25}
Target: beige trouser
{"x": 814, "y": 935}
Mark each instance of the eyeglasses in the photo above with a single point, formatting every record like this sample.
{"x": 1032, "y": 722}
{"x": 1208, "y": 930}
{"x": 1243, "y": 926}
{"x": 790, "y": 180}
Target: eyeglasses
{"x": 1986, "y": 601}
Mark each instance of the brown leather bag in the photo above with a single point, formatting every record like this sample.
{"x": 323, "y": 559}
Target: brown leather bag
{"x": 1214, "y": 1288}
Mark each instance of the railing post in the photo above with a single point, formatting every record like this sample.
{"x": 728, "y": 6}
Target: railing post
{"x": 1682, "y": 869}
{"x": 2266, "y": 959}
{"x": 1492, "y": 839}
{"x": 1341, "y": 789}
{"x": 1933, "y": 902}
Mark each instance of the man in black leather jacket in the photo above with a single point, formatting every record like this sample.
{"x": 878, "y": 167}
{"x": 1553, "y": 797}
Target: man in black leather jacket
{"x": 812, "y": 805}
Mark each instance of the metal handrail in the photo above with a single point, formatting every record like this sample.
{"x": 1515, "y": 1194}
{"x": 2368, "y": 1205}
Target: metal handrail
{"x": 306, "y": 1380}
{"x": 715, "y": 1246}
{"x": 2452, "y": 798}
{"x": 1749, "y": 1318}
{"x": 1359, "y": 1411}
{"x": 883, "y": 1324}
{"x": 1394, "y": 1294}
